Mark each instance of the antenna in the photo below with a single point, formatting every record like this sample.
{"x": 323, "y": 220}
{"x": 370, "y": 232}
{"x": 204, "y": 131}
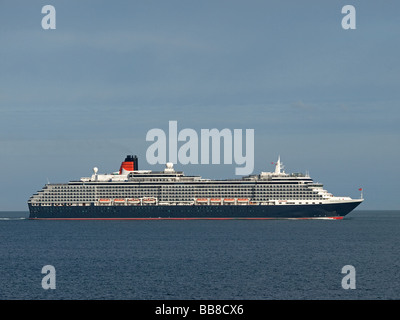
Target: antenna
{"x": 95, "y": 170}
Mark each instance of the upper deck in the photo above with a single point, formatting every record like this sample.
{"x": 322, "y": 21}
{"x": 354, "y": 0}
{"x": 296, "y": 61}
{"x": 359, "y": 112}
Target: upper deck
{"x": 170, "y": 175}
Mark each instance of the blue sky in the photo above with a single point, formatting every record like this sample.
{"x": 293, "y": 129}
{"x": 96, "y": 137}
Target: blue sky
{"x": 323, "y": 98}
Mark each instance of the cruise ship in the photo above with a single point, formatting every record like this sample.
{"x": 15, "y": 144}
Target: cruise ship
{"x": 136, "y": 194}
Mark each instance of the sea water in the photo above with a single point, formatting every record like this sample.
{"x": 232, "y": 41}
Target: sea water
{"x": 202, "y": 259}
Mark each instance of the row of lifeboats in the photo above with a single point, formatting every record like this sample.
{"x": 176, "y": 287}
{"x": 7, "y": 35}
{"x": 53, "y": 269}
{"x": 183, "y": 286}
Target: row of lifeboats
{"x": 128, "y": 201}
{"x": 225, "y": 201}
{"x": 220, "y": 200}
{"x": 198, "y": 201}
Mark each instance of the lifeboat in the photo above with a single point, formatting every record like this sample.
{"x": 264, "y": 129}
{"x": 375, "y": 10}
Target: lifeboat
{"x": 149, "y": 200}
{"x": 202, "y": 200}
{"x": 119, "y": 201}
{"x": 134, "y": 201}
{"x": 229, "y": 200}
{"x": 243, "y": 201}
{"x": 104, "y": 200}
{"x": 215, "y": 201}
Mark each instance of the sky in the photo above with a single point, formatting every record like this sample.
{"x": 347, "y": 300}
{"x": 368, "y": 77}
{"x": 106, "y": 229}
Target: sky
{"x": 323, "y": 98}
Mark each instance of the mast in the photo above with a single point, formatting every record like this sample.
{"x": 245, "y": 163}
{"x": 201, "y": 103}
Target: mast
{"x": 279, "y": 166}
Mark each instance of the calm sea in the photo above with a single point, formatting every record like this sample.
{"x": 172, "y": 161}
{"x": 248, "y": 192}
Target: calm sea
{"x": 238, "y": 259}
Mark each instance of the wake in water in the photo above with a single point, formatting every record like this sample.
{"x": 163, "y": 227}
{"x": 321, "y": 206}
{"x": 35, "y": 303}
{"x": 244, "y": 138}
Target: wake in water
{"x": 21, "y": 218}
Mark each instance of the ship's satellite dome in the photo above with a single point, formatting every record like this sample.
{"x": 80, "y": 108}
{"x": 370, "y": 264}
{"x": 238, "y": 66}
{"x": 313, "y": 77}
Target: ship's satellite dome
{"x": 95, "y": 169}
{"x": 170, "y": 165}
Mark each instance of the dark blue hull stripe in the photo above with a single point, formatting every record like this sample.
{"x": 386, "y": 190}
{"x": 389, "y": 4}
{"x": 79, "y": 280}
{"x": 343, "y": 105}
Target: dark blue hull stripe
{"x": 190, "y": 212}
